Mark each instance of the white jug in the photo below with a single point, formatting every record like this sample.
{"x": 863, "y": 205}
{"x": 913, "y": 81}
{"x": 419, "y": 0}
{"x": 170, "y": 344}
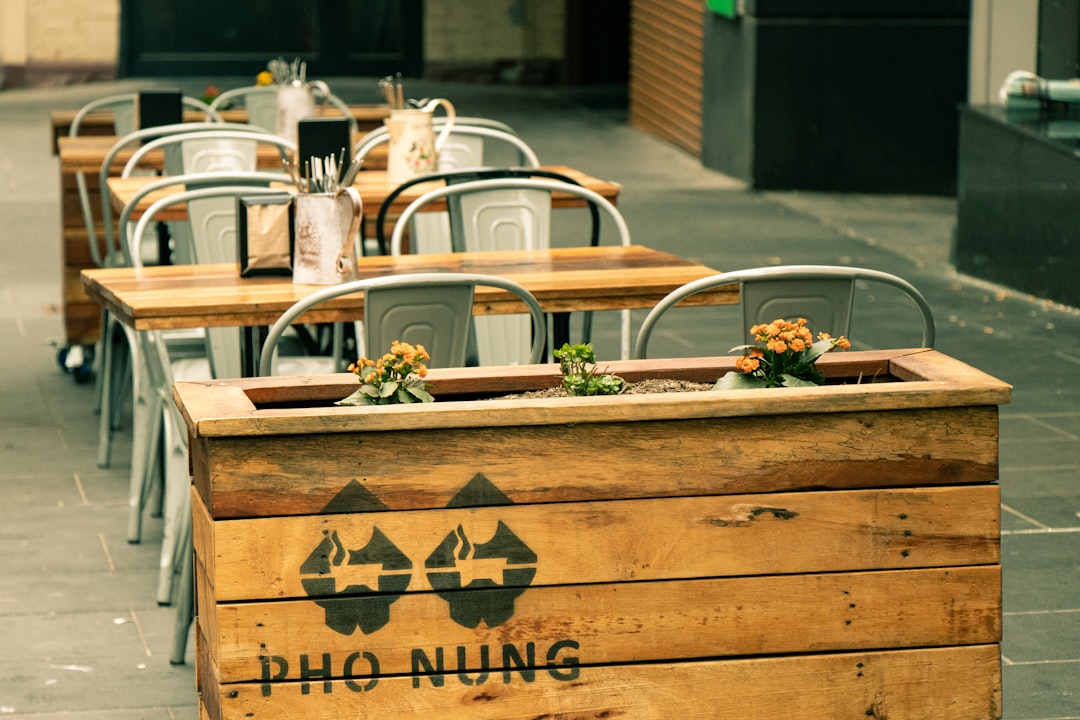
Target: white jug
{"x": 296, "y": 102}
{"x": 414, "y": 149}
{"x": 326, "y": 229}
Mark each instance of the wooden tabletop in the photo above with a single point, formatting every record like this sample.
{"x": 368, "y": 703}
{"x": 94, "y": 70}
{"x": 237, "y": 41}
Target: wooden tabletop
{"x": 563, "y": 280}
{"x": 86, "y": 153}
{"x": 374, "y": 187}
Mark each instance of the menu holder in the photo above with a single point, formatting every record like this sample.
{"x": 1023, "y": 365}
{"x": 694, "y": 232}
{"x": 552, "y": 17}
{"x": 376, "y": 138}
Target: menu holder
{"x": 265, "y": 234}
{"x": 158, "y": 107}
{"x": 324, "y": 137}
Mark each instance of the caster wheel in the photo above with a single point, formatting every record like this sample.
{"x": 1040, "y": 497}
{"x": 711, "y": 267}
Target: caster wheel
{"x": 83, "y": 373}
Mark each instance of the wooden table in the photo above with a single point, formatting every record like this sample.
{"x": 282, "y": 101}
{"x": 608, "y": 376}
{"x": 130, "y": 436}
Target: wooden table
{"x": 374, "y": 187}
{"x": 563, "y": 281}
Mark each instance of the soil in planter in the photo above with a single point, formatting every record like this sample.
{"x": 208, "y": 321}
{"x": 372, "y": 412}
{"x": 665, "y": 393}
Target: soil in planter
{"x": 658, "y": 385}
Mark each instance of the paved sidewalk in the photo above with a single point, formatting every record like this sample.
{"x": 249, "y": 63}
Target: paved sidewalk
{"x": 82, "y": 635}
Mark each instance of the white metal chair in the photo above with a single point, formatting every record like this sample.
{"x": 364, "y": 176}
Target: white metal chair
{"x": 466, "y": 146}
{"x": 216, "y": 354}
{"x": 212, "y": 150}
{"x": 508, "y": 213}
{"x": 113, "y": 249}
{"x": 430, "y": 309}
{"x": 115, "y": 253}
{"x": 261, "y": 104}
{"x": 214, "y": 242}
{"x": 823, "y": 294}
{"x": 116, "y": 366}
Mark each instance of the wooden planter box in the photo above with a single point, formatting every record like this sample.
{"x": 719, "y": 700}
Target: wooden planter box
{"x": 827, "y": 552}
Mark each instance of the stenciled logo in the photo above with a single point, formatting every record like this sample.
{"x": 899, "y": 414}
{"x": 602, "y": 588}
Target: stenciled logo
{"x": 359, "y": 606}
{"x": 505, "y": 556}
{"x": 479, "y": 581}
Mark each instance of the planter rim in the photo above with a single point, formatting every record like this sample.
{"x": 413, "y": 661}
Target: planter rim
{"x": 926, "y": 378}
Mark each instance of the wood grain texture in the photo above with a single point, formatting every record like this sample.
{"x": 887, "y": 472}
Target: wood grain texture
{"x": 563, "y": 280}
{"x": 666, "y": 70}
{"x": 373, "y": 185}
{"x": 616, "y": 623}
{"x": 273, "y": 474}
{"x": 962, "y": 683}
{"x": 576, "y": 557}
{"x": 633, "y": 540}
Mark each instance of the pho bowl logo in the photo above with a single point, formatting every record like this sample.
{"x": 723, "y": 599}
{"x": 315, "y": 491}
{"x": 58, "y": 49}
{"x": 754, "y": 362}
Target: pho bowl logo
{"x": 479, "y": 581}
{"x": 358, "y": 604}
{"x": 498, "y": 570}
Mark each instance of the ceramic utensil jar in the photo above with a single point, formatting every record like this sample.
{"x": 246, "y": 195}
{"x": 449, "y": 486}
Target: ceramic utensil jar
{"x": 326, "y": 228}
{"x": 414, "y": 148}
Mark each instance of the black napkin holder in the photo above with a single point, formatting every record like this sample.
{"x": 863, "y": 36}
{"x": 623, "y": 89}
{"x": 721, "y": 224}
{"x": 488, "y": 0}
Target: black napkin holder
{"x": 154, "y": 108}
{"x": 324, "y": 137}
{"x": 265, "y": 234}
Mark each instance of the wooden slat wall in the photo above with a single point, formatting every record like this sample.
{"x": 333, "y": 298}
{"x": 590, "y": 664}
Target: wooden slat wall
{"x": 666, "y": 56}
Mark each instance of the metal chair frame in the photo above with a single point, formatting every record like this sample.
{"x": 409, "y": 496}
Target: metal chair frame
{"x": 762, "y": 296}
{"x": 428, "y": 282}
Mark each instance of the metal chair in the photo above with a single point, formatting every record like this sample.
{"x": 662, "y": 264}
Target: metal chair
{"x": 213, "y": 150}
{"x": 157, "y": 416}
{"x": 466, "y": 146}
{"x": 509, "y": 213}
{"x": 261, "y": 104}
{"x": 823, "y": 294}
{"x": 381, "y": 134}
{"x": 430, "y": 309}
{"x": 116, "y": 369}
{"x": 113, "y": 249}
{"x": 214, "y": 353}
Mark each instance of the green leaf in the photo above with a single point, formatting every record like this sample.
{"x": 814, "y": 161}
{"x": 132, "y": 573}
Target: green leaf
{"x": 421, "y": 394}
{"x": 792, "y": 381}
{"x": 357, "y": 398}
{"x": 741, "y": 348}
{"x": 739, "y": 381}
{"x": 404, "y": 397}
{"x": 816, "y": 350}
{"x": 388, "y": 389}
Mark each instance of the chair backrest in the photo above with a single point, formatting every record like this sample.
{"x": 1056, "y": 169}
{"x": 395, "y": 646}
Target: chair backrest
{"x": 211, "y": 151}
{"x": 260, "y": 101}
{"x": 458, "y": 177}
{"x": 823, "y": 294}
{"x": 430, "y": 309}
{"x": 212, "y": 215}
{"x": 486, "y": 226}
{"x": 509, "y": 212}
{"x": 465, "y": 146}
{"x": 123, "y": 110}
{"x": 112, "y": 251}
{"x": 381, "y": 134}
{"x": 261, "y": 104}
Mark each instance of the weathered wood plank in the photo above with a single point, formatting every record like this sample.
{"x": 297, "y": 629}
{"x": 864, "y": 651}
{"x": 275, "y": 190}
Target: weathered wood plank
{"x": 265, "y": 475}
{"x": 962, "y": 683}
{"x": 615, "y": 623}
{"x": 627, "y": 541}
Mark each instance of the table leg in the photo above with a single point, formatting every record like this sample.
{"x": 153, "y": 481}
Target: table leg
{"x": 251, "y": 342}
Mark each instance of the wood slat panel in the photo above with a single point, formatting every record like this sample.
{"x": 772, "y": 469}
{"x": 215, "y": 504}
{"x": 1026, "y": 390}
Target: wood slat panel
{"x": 666, "y": 70}
{"x": 256, "y": 476}
{"x": 961, "y": 683}
{"x": 621, "y": 622}
{"x": 633, "y": 540}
